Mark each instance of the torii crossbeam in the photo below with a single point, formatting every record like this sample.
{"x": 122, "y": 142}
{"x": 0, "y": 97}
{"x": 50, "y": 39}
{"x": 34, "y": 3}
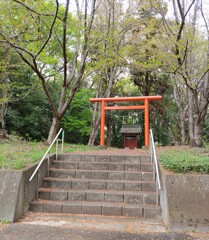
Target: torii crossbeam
{"x": 144, "y": 107}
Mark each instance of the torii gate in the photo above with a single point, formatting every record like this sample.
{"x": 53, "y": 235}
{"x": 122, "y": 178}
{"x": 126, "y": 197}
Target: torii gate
{"x": 144, "y": 107}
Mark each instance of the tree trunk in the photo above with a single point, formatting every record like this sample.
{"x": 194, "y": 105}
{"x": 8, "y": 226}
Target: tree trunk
{"x": 2, "y": 122}
{"x": 109, "y": 128}
{"x": 53, "y": 129}
{"x": 173, "y": 137}
{"x": 198, "y": 131}
{"x": 94, "y": 132}
{"x": 196, "y": 115}
{"x": 191, "y": 117}
{"x": 182, "y": 130}
{"x": 180, "y": 97}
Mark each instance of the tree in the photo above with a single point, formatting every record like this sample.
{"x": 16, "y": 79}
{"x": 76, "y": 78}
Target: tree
{"x": 4, "y": 99}
{"x": 53, "y": 43}
{"x": 145, "y": 48}
{"x": 189, "y": 62}
{"x": 5, "y": 92}
{"x": 77, "y": 119}
{"x": 179, "y": 94}
{"x": 11, "y": 72}
{"x": 107, "y": 58}
{"x": 148, "y": 69}
{"x": 28, "y": 116}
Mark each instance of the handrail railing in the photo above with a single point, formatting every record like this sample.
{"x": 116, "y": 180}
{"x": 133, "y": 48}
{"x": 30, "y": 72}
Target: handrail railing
{"x": 47, "y": 152}
{"x": 154, "y": 157}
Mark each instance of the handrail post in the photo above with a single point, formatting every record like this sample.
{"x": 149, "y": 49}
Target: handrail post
{"x": 153, "y": 172}
{"x": 37, "y": 181}
{"x": 157, "y": 195}
{"x": 152, "y": 145}
{"x": 48, "y": 163}
{"x": 57, "y": 149}
{"x": 63, "y": 138}
{"x": 151, "y": 152}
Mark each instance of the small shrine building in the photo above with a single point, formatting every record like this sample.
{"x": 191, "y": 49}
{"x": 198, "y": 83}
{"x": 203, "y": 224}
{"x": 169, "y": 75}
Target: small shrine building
{"x": 130, "y": 134}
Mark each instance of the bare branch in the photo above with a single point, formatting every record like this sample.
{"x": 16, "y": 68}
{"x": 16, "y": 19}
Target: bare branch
{"x": 204, "y": 19}
{"x": 64, "y": 47}
{"x": 15, "y": 46}
{"x": 186, "y": 82}
{"x": 184, "y": 57}
{"x": 181, "y": 11}
{"x": 32, "y": 10}
{"x": 50, "y": 31}
{"x": 34, "y": 67}
{"x": 78, "y": 10}
{"x": 42, "y": 78}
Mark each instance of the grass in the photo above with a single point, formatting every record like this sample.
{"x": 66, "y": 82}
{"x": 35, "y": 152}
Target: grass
{"x": 18, "y": 154}
{"x": 4, "y": 221}
{"x": 185, "y": 159}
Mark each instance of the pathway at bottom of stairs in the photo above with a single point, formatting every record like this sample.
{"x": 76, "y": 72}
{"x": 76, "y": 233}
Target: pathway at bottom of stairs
{"x": 89, "y": 227}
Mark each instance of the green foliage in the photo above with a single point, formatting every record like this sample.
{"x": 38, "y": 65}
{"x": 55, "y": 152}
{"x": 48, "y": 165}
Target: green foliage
{"x": 5, "y": 221}
{"x": 125, "y": 87}
{"x": 117, "y": 40}
{"x": 187, "y": 160}
{"x": 30, "y": 27}
{"x": 30, "y": 115}
{"x": 77, "y": 120}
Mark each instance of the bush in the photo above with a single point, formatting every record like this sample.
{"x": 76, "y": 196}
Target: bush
{"x": 185, "y": 160}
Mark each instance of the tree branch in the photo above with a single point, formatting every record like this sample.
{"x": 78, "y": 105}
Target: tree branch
{"x": 32, "y": 10}
{"x": 42, "y": 78}
{"x": 50, "y": 31}
{"x": 65, "y": 42}
{"x": 15, "y": 46}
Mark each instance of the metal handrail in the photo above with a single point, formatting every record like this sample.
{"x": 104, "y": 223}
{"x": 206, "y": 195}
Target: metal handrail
{"x": 47, "y": 152}
{"x": 153, "y": 154}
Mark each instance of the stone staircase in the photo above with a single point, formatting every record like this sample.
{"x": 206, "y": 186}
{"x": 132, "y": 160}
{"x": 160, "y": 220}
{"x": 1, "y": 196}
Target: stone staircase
{"x": 101, "y": 185}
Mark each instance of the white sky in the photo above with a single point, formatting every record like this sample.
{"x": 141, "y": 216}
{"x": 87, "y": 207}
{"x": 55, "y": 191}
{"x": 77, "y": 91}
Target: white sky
{"x": 170, "y": 10}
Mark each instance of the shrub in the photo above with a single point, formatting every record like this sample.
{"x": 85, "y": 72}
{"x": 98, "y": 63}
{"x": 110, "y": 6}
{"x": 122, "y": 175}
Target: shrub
{"x": 185, "y": 160}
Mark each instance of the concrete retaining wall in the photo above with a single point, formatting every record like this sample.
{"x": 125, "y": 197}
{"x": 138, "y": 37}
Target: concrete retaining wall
{"x": 16, "y": 192}
{"x": 185, "y": 201}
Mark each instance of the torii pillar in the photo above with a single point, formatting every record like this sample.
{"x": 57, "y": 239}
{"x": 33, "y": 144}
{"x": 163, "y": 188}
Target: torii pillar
{"x": 144, "y": 107}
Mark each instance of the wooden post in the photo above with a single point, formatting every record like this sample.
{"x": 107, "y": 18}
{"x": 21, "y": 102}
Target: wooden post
{"x": 146, "y": 123}
{"x": 102, "y": 126}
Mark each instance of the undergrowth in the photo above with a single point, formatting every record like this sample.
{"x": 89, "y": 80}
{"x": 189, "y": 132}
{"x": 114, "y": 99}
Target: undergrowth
{"x": 17, "y": 155}
{"x": 181, "y": 160}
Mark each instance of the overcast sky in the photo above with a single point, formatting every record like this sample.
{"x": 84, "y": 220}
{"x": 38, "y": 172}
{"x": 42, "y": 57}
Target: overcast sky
{"x": 170, "y": 8}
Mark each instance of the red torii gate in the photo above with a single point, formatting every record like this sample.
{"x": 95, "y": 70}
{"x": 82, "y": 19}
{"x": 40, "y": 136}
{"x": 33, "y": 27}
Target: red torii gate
{"x": 144, "y": 107}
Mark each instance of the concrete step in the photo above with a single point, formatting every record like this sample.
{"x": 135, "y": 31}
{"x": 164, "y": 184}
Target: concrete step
{"x": 99, "y": 223}
{"x": 120, "y": 166}
{"x": 104, "y": 158}
{"x": 100, "y": 184}
{"x": 133, "y": 197}
{"x": 97, "y": 174}
{"x": 110, "y": 175}
{"x": 96, "y": 208}
{"x": 72, "y": 183}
